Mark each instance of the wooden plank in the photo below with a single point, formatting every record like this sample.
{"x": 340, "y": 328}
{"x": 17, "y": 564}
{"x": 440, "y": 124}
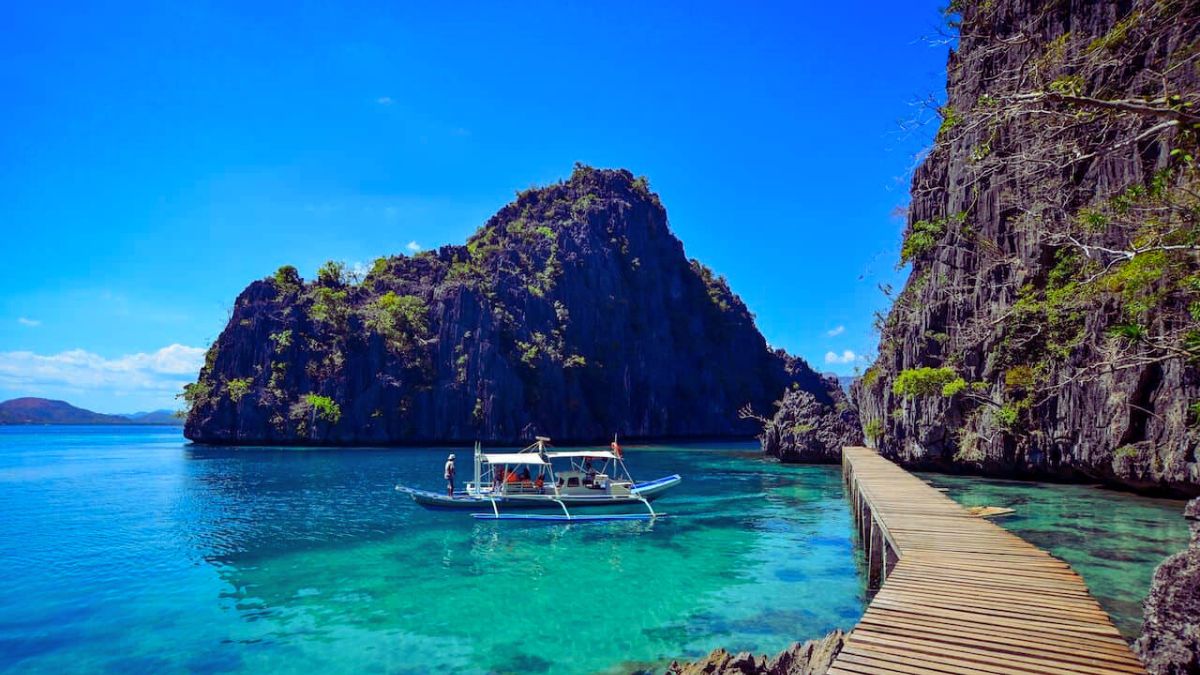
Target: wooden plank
{"x": 1103, "y": 648}
{"x": 962, "y": 595}
{"x": 1002, "y": 644}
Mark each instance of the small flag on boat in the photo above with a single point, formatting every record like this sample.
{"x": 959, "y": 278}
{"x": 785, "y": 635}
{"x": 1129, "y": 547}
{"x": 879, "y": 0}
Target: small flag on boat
{"x": 616, "y": 447}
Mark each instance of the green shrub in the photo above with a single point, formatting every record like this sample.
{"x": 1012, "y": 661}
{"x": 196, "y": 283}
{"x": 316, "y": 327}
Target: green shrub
{"x": 921, "y": 239}
{"x": 237, "y": 388}
{"x": 1009, "y": 415}
{"x": 1137, "y": 282}
{"x": 870, "y": 376}
{"x": 324, "y": 408}
{"x": 329, "y": 305}
{"x": 912, "y": 382}
{"x": 332, "y": 273}
{"x": 1126, "y": 451}
{"x": 953, "y": 387}
{"x": 400, "y": 319}
{"x": 950, "y": 119}
{"x": 282, "y": 340}
{"x": 1068, "y": 85}
{"x": 287, "y": 279}
{"x": 1133, "y": 332}
{"x": 195, "y": 394}
{"x": 1019, "y": 378}
{"x": 873, "y": 429}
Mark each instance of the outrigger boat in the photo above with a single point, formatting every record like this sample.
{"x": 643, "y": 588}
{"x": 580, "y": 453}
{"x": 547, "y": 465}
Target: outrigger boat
{"x": 527, "y": 480}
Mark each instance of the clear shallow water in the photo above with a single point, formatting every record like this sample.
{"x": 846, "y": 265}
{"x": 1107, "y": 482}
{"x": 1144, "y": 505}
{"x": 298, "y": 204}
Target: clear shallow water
{"x": 129, "y": 550}
{"x": 1113, "y": 539}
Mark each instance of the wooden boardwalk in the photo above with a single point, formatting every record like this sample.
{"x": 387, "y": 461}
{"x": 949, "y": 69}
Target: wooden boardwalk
{"x": 962, "y": 595}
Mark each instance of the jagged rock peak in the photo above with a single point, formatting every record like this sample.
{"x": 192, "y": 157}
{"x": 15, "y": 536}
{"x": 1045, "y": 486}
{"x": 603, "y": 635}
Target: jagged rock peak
{"x": 573, "y": 312}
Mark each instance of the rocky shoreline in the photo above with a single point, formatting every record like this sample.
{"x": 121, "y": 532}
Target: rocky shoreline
{"x": 809, "y": 658}
{"x": 1170, "y": 641}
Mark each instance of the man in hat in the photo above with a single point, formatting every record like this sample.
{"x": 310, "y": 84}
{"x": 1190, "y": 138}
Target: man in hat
{"x": 450, "y": 475}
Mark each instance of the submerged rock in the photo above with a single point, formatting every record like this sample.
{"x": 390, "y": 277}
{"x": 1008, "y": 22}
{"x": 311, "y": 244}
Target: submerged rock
{"x": 1170, "y": 641}
{"x": 572, "y": 313}
{"x": 810, "y": 658}
{"x": 805, "y": 430}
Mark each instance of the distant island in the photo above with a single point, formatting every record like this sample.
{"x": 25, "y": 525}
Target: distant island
{"x": 32, "y": 410}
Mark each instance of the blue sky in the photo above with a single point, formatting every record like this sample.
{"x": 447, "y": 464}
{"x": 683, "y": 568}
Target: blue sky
{"x": 156, "y": 158}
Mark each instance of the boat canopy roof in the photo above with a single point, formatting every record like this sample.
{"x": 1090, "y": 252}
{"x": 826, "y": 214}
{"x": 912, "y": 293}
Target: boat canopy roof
{"x": 513, "y": 458}
{"x": 598, "y": 454}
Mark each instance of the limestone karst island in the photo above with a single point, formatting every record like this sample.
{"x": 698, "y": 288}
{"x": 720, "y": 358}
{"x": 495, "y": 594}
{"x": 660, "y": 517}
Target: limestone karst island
{"x": 695, "y": 339}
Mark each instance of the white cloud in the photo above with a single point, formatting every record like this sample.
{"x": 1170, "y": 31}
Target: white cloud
{"x": 846, "y": 356}
{"x": 163, "y": 372}
{"x": 414, "y": 247}
{"x": 384, "y": 100}
{"x": 32, "y": 323}
{"x": 836, "y": 331}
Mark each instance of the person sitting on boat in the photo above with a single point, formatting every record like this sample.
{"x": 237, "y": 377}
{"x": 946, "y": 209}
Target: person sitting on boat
{"x": 525, "y": 477}
{"x": 589, "y": 471}
{"x": 541, "y": 481}
{"x": 449, "y": 473}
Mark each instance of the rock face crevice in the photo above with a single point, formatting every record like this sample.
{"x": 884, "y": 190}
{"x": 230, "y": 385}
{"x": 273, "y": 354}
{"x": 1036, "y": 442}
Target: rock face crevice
{"x": 573, "y": 313}
{"x": 1050, "y": 326}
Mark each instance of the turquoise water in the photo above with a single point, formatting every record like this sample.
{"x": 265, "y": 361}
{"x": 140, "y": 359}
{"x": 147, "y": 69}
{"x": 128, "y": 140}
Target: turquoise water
{"x": 129, "y": 550}
{"x": 1113, "y": 539}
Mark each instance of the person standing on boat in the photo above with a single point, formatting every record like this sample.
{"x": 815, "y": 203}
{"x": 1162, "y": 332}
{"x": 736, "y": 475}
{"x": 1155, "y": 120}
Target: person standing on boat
{"x": 450, "y": 475}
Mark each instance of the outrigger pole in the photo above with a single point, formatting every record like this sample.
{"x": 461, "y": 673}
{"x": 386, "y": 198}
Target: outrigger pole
{"x": 478, "y": 487}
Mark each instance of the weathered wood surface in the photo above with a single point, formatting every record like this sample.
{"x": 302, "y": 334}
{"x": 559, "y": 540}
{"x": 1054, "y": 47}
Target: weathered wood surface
{"x": 960, "y": 594}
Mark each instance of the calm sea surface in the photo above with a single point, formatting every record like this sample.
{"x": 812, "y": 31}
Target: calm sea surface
{"x": 130, "y": 550}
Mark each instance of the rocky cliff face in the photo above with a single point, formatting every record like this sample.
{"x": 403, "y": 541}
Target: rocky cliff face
{"x": 804, "y": 430}
{"x": 572, "y": 313}
{"x": 1170, "y": 641}
{"x": 1051, "y": 322}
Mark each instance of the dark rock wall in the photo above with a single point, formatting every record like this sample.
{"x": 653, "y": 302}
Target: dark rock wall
{"x": 572, "y": 313}
{"x": 1068, "y": 138}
